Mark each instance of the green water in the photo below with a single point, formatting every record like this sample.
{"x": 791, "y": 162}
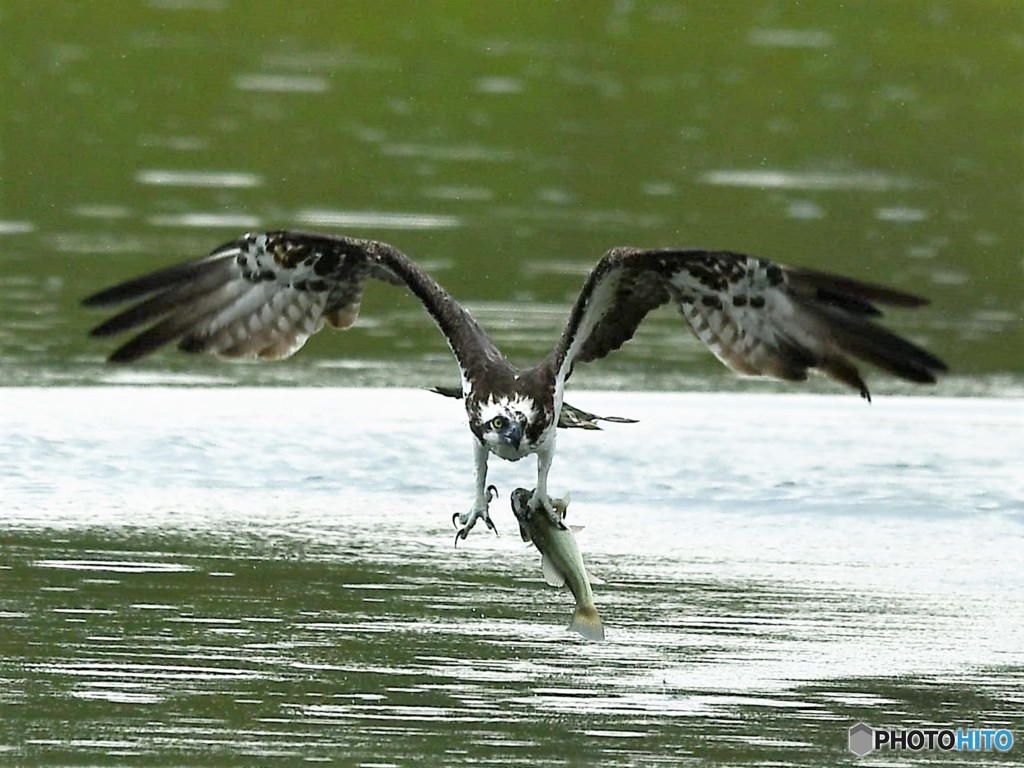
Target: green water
{"x": 507, "y": 148}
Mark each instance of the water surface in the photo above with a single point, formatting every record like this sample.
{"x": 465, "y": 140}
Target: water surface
{"x": 238, "y": 576}
{"x": 506, "y": 151}
{"x": 194, "y": 571}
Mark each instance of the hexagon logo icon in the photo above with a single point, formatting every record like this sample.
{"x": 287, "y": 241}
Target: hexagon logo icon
{"x": 862, "y": 739}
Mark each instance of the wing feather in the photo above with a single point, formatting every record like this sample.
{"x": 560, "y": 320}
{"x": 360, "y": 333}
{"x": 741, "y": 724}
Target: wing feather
{"x": 170, "y": 326}
{"x": 264, "y": 294}
{"x": 162, "y": 279}
{"x": 201, "y": 285}
{"x": 758, "y": 317}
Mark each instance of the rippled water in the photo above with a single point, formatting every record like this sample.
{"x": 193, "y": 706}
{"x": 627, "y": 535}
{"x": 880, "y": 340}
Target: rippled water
{"x": 506, "y": 151}
{"x": 218, "y": 575}
{"x": 266, "y": 576}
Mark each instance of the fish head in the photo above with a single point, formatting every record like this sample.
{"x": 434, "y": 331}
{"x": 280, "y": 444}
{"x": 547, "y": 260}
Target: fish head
{"x": 521, "y": 509}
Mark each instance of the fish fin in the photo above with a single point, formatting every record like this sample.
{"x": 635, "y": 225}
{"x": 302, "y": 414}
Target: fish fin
{"x": 596, "y": 579}
{"x": 587, "y": 622}
{"x": 576, "y": 528}
{"x": 552, "y": 575}
{"x": 561, "y": 506}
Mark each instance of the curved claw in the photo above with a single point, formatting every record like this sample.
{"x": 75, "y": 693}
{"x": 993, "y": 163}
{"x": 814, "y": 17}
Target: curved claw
{"x": 463, "y": 532}
{"x": 469, "y": 519}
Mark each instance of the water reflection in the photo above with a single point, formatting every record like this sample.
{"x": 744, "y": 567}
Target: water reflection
{"x": 791, "y": 38}
{"x": 323, "y": 217}
{"x": 868, "y": 181}
{"x": 204, "y": 220}
{"x": 178, "y": 178}
{"x": 295, "y": 651}
{"x": 16, "y": 227}
{"x": 178, "y": 579}
{"x": 281, "y": 83}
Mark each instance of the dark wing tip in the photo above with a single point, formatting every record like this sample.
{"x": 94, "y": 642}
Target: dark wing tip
{"x": 129, "y": 353}
{"x": 162, "y": 279}
{"x": 105, "y": 329}
{"x": 95, "y": 300}
{"x": 863, "y": 339}
{"x": 848, "y": 306}
{"x": 851, "y": 294}
{"x": 151, "y": 282}
{"x": 109, "y": 296}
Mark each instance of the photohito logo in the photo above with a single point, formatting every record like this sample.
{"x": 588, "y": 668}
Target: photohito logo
{"x": 865, "y": 739}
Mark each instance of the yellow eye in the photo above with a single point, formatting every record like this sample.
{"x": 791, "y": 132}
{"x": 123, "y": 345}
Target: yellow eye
{"x": 498, "y": 422}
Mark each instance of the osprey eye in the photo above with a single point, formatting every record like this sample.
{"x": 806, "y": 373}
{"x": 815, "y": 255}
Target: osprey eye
{"x": 498, "y": 422}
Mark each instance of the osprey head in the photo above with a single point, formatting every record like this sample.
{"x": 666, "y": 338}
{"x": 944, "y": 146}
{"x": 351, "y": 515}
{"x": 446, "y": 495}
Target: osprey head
{"x": 501, "y": 425}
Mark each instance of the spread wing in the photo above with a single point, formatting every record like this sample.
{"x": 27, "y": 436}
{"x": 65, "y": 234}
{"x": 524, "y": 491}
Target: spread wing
{"x": 758, "y": 317}
{"x": 264, "y": 294}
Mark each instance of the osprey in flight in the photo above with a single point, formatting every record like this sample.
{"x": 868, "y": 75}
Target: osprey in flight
{"x": 265, "y": 293}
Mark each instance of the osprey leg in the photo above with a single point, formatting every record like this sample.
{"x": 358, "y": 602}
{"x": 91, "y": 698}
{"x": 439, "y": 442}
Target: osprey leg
{"x": 484, "y": 494}
{"x": 540, "y": 499}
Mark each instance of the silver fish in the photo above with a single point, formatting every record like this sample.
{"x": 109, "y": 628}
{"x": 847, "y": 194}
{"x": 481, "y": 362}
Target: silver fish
{"x": 561, "y": 560}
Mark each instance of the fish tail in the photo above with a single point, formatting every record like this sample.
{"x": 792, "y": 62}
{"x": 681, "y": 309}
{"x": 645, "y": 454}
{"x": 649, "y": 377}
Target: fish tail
{"x": 587, "y": 622}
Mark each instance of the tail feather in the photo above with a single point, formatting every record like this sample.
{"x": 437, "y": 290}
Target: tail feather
{"x": 587, "y": 622}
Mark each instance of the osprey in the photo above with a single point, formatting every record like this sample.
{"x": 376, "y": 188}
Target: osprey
{"x": 264, "y": 294}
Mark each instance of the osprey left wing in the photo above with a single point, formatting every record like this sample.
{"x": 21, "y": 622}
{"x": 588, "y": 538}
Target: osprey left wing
{"x": 758, "y": 317}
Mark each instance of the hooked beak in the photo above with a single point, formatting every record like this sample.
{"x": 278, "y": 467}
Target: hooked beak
{"x": 511, "y": 434}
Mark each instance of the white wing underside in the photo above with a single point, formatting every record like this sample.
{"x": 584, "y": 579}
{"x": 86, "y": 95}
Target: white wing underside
{"x": 757, "y": 317}
{"x": 264, "y": 294}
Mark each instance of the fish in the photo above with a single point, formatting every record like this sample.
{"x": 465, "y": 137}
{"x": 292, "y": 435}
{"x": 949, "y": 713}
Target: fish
{"x": 561, "y": 560}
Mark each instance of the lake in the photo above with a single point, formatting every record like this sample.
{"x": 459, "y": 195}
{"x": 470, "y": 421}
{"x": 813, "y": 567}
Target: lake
{"x": 225, "y": 576}
{"x": 508, "y": 150}
{"x": 229, "y": 565}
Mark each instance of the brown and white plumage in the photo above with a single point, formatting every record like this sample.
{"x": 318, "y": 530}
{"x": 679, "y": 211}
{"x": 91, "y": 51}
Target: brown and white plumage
{"x": 758, "y": 317}
{"x": 264, "y": 294}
